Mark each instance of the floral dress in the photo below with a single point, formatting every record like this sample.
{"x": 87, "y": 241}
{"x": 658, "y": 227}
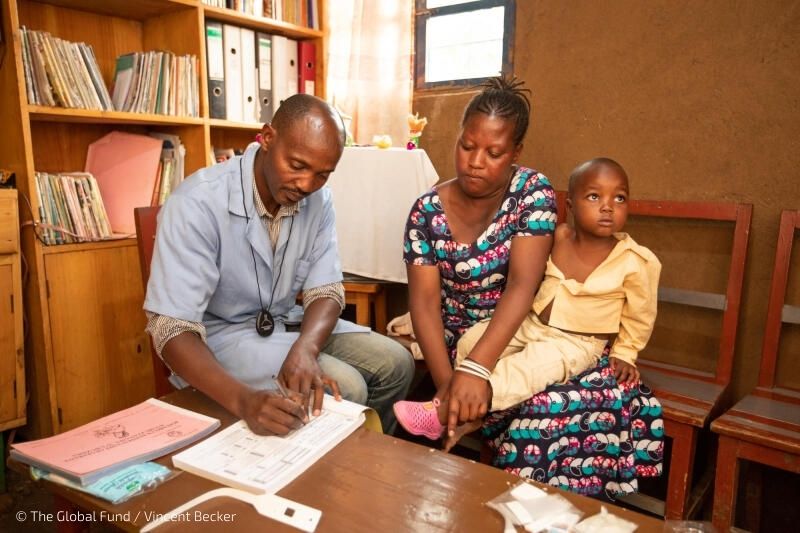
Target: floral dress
{"x": 590, "y": 435}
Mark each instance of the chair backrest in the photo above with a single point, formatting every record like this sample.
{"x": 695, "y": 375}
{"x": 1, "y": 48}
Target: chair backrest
{"x": 728, "y": 302}
{"x": 146, "y": 221}
{"x": 778, "y": 312}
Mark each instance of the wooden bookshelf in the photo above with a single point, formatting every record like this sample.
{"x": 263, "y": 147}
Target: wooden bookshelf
{"x": 87, "y": 353}
{"x": 39, "y": 113}
{"x": 12, "y": 360}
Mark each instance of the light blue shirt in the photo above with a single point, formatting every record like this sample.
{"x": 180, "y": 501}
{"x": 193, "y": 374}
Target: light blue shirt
{"x": 202, "y": 268}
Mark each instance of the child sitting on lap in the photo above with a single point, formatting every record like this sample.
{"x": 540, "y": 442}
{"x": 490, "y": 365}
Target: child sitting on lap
{"x": 599, "y": 289}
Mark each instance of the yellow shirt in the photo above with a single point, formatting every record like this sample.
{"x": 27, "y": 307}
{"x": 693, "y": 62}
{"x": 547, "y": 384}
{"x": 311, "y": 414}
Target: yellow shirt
{"x": 619, "y": 296}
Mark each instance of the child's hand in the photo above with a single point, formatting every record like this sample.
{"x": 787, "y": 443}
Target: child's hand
{"x": 623, "y": 371}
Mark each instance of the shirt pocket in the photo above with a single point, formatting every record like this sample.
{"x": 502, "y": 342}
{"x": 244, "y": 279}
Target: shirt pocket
{"x": 300, "y": 275}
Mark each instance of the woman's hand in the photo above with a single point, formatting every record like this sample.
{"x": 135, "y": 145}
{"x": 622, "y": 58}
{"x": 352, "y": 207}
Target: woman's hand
{"x": 468, "y": 400}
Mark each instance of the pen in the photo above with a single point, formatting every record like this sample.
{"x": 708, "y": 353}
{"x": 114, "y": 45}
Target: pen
{"x": 285, "y": 392}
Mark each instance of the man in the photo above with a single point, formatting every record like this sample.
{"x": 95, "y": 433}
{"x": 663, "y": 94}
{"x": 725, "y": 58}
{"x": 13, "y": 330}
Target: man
{"x": 236, "y": 243}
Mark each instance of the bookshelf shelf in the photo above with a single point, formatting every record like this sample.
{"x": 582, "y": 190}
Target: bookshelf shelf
{"x": 229, "y": 124}
{"x": 93, "y": 116}
{"x": 89, "y": 246}
{"x": 130, "y": 9}
{"x": 262, "y": 24}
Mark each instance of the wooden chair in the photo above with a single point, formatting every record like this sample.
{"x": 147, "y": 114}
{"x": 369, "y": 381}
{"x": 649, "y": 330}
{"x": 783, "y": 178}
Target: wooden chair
{"x": 369, "y": 298}
{"x": 689, "y": 397}
{"x": 145, "y": 218}
{"x": 764, "y": 427}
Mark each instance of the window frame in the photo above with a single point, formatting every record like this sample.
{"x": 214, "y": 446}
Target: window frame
{"x": 421, "y": 16}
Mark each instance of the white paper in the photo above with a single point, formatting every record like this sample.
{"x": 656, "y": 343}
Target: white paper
{"x": 239, "y": 458}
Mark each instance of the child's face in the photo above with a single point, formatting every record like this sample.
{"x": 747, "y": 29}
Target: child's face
{"x": 599, "y": 203}
{"x": 484, "y": 154}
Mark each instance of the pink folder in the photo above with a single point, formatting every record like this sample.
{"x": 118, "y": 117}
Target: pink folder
{"x": 125, "y": 166}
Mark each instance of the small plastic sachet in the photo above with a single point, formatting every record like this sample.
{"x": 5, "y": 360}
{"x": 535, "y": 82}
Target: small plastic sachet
{"x": 119, "y": 486}
{"x": 535, "y": 510}
{"x": 605, "y": 522}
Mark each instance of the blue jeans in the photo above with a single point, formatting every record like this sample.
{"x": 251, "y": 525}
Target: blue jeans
{"x": 370, "y": 369}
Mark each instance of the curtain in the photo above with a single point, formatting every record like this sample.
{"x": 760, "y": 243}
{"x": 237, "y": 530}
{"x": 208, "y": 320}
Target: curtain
{"x": 369, "y": 65}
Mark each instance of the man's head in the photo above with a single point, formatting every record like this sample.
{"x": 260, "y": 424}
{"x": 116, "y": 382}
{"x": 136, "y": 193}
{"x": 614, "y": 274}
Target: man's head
{"x": 598, "y": 197}
{"x": 299, "y": 150}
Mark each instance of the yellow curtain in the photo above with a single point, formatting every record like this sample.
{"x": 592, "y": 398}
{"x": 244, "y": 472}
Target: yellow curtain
{"x": 369, "y": 65}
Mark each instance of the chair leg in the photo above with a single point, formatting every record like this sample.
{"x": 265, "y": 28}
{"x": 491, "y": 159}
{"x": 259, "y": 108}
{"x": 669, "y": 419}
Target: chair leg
{"x": 380, "y": 312}
{"x": 753, "y": 480}
{"x": 363, "y": 312}
{"x": 726, "y": 482}
{"x": 684, "y": 440}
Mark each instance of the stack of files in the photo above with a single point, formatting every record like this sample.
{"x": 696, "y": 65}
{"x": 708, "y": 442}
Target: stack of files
{"x": 170, "y": 171}
{"x": 140, "y": 433}
{"x": 238, "y": 91}
{"x": 125, "y": 165}
{"x": 71, "y": 208}
{"x": 61, "y": 73}
{"x": 158, "y": 83}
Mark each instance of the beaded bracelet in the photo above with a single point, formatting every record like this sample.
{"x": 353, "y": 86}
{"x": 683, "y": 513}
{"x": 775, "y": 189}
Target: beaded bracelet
{"x": 476, "y": 369}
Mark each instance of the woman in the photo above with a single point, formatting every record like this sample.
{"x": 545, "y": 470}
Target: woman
{"x": 476, "y": 247}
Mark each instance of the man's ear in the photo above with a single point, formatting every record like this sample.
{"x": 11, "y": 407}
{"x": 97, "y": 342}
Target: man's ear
{"x": 267, "y": 136}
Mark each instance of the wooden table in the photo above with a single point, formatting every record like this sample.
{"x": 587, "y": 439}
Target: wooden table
{"x": 370, "y": 482}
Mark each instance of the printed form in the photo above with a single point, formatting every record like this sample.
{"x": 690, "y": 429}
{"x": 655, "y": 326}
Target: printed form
{"x": 239, "y": 458}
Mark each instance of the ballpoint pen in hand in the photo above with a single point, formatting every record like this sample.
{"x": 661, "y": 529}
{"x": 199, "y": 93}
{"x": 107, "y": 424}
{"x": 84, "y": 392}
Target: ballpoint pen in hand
{"x": 290, "y": 395}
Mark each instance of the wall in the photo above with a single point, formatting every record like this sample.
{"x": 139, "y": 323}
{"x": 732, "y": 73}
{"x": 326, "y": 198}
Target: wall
{"x": 698, "y": 100}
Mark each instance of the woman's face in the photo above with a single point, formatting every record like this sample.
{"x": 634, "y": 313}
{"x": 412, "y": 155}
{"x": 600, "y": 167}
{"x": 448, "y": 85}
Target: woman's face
{"x": 485, "y": 152}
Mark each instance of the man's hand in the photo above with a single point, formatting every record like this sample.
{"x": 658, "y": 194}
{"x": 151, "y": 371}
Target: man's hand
{"x": 468, "y": 400}
{"x": 268, "y": 412}
{"x": 623, "y": 371}
{"x": 301, "y": 373}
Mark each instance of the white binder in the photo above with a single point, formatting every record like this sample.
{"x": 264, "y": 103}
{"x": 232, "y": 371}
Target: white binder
{"x": 284, "y": 69}
{"x": 231, "y": 38}
{"x": 249, "y": 87}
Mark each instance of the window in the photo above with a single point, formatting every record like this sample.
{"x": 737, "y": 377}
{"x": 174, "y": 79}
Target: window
{"x": 461, "y": 42}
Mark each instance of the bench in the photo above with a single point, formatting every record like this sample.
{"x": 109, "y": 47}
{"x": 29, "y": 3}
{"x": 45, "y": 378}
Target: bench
{"x": 764, "y": 427}
{"x": 690, "y": 397}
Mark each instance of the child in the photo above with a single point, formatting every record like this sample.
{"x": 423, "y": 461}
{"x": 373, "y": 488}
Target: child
{"x": 599, "y": 289}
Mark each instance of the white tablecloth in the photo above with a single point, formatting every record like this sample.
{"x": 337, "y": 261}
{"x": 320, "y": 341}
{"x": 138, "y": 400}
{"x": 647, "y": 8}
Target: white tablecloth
{"x": 373, "y": 191}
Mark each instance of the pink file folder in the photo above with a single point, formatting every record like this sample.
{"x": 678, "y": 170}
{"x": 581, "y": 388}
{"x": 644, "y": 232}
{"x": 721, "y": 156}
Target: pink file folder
{"x": 125, "y": 166}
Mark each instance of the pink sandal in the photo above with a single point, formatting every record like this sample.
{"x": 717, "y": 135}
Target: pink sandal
{"x": 420, "y": 418}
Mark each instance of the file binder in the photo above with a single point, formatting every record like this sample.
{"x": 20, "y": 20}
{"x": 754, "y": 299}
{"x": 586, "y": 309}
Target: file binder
{"x": 284, "y": 69}
{"x": 264, "y": 59}
{"x": 306, "y": 55}
{"x": 216, "y": 69}
{"x": 249, "y": 88}
{"x": 232, "y": 40}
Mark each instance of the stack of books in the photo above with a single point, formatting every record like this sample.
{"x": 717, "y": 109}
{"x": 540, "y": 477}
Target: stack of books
{"x": 158, "y": 83}
{"x": 71, "y": 208}
{"x": 140, "y": 433}
{"x": 61, "y": 73}
{"x": 299, "y": 12}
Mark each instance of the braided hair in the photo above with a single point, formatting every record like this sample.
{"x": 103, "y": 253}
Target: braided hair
{"x": 503, "y": 97}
